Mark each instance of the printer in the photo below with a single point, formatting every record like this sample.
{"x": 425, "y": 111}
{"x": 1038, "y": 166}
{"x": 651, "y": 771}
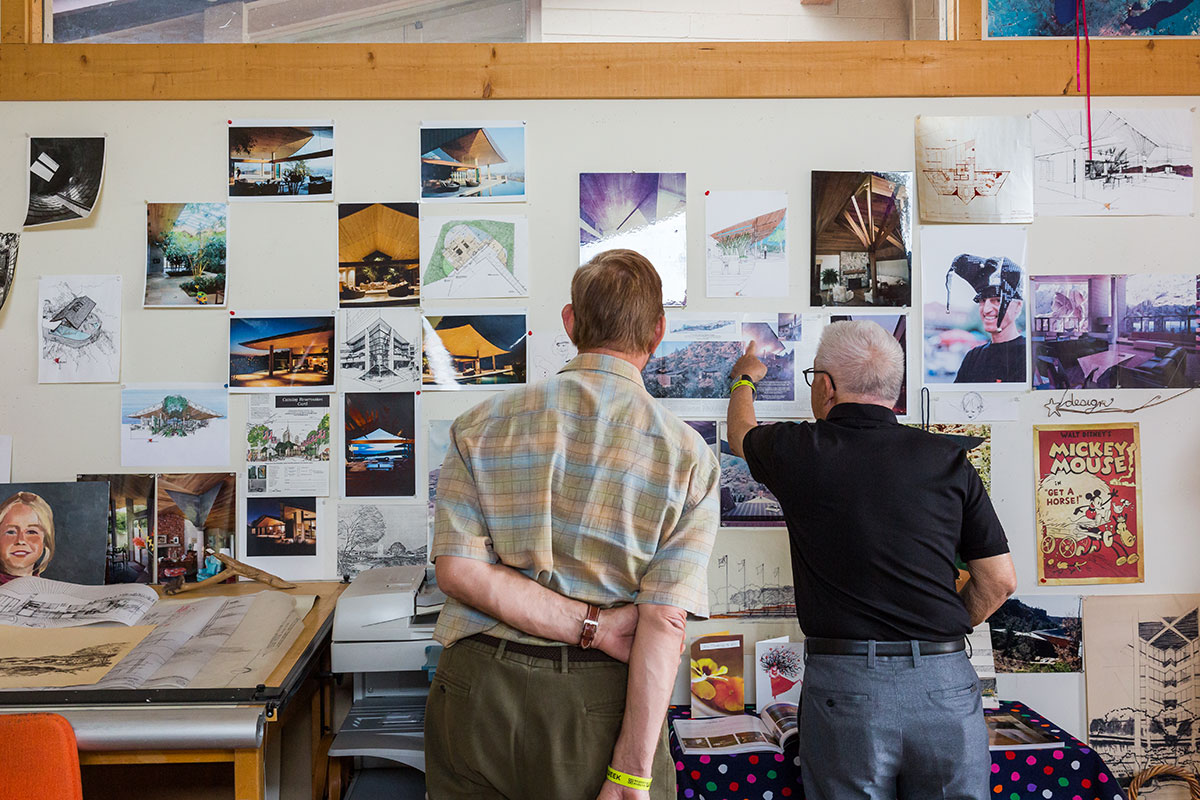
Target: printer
{"x": 383, "y": 637}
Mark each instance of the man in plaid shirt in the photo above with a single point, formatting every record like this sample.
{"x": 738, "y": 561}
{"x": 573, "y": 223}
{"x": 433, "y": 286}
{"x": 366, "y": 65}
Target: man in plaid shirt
{"x": 575, "y": 519}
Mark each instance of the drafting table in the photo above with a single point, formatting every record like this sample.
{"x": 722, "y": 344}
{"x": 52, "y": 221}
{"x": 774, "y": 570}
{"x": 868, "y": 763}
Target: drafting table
{"x": 181, "y": 726}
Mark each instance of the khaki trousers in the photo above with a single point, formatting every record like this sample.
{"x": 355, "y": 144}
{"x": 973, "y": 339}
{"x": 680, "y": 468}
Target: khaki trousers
{"x": 508, "y": 725}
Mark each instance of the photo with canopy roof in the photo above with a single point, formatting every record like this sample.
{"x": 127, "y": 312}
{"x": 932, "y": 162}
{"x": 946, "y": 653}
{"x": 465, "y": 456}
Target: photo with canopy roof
{"x": 278, "y": 352}
{"x": 746, "y": 243}
{"x": 481, "y": 162}
{"x": 280, "y": 160}
{"x": 174, "y": 425}
{"x": 185, "y": 255}
{"x": 861, "y": 239}
{"x": 380, "y": 438}
{"x": 476, "y": 350}
{"x": 642, "y": 211}
{"x": 378, "y": 254}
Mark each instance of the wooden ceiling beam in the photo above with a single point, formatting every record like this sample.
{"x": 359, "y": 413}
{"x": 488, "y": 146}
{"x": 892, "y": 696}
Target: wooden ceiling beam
{"x": 989, "y": 68}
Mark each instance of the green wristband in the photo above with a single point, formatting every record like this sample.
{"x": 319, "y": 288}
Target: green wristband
{"x": 743, "y": 382}
{"x": 624, "y": 779}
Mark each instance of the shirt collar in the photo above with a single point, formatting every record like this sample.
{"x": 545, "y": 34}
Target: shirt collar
{"x": 599, "y": 362}
{"x": 861, "y": 411}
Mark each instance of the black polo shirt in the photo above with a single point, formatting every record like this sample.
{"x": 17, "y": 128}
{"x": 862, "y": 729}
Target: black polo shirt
{"x": 876, "y": 512}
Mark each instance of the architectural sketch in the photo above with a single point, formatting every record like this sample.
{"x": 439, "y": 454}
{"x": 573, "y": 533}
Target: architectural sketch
{"x": 749, "y": 576}
{"x": 9, "y": 243}
{"x": 34, "y": 602}
{"x": 1137, "y": 162}
{"x": 479, "y": 257}
{"x": 745, "y": 246}
{"x": 377, "y": 535}
{"x": 642, "y": 211}
{"x": 185, "y": 424}
{"x": 65, "y": 175}
{"x": 36, "y": 659}
{"x": 79, "y": 329}
{"x": 549, "y": 356}
{"x": 380, "y": 348}
{"x": 974, "y": 169}
{"x": 1143, "y": 670}
{"x": 287, "y": 444}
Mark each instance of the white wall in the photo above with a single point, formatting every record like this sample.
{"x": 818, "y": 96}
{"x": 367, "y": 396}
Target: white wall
{"x": 749, "y": 20}
{"x": 284, "y": 256}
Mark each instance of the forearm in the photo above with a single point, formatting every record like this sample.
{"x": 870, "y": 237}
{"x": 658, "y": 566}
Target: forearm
{"x": 653, "y": 665}
{"x": 512, "y": 597}
{"x": 981, "y": 600}
{"x": 740, "y": 418}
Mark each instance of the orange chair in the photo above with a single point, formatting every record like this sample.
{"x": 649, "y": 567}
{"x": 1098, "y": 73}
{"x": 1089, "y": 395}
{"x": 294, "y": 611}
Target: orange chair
{"x": 38, "y": 758}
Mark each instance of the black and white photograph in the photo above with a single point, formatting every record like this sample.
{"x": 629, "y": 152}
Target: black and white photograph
{"x": 65, "y": 176}
{"x": 9, "y": 243}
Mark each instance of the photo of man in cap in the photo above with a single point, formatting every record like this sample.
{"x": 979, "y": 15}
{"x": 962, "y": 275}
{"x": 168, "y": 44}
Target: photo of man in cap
{"x": 997, "y": 285}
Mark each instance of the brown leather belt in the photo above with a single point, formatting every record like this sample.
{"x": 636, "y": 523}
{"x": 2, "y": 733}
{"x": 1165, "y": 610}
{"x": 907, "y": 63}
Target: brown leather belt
{"x": 856, "y": 647}
{"x": 575, "y": 654}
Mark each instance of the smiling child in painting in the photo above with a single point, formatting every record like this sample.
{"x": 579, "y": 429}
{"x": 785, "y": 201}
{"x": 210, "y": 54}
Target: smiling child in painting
{"x": 26, "y": 536}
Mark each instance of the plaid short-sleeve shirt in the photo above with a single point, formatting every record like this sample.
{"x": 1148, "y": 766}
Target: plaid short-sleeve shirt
{"x": 584, "y": 483}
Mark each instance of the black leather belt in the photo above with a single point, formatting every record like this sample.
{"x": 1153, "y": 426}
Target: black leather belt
{"x": 575, "y": 654}
{"x": 858, "y": 647}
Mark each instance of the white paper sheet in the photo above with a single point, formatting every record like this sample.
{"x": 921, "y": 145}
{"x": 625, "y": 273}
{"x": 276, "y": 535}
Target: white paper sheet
{"x": 79, "y": 328}
{"x": 974, "y": 169}
{"x": 745, "y": 244}
{"x": 287, "y": 444}
{"x": 40, "y": 603}
{"x": 174, "y": 425}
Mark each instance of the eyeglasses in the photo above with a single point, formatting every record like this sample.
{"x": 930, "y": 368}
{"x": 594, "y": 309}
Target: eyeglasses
{"x": 808, "y": 376}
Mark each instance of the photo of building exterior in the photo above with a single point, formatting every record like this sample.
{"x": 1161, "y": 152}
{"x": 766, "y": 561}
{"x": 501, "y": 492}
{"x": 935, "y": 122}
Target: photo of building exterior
{"x": 479, "y": 163}
{"x": 281, "y": 162}
{"x": 281, "y": 526}
{"x": 268, "y": 352}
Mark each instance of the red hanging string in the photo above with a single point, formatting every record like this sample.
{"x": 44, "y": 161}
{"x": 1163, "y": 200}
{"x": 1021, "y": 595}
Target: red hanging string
{"x": 1081, "y": 19}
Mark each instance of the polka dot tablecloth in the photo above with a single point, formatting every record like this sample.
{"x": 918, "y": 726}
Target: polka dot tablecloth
{"x": 1072, "y": 772}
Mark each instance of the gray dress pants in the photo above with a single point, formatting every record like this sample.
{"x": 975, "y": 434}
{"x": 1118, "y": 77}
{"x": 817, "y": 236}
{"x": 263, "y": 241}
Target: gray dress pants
{"x": 893, "y": 727}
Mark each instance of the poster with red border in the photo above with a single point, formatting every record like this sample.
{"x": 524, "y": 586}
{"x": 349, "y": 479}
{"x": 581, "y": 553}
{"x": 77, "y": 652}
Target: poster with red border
{"x": 1088, "y": 503}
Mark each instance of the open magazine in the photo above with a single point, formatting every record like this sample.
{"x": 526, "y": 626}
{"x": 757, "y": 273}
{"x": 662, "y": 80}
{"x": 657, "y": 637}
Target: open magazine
{"x": 769, "y": 732}
{"x": 1010, "y": 732}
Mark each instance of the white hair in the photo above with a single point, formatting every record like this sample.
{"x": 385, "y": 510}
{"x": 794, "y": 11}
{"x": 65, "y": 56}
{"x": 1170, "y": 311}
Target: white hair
{"x": 863, "y": 358}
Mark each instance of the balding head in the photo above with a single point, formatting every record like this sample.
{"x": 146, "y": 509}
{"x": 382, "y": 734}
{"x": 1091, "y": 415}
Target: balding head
{"x": 866, "y": 361}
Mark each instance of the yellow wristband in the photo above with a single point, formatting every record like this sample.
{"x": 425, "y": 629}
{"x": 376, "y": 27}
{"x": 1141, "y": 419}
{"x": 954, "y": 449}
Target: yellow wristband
{"x": 632, "y": 781}
{"x": 753, "y": 388}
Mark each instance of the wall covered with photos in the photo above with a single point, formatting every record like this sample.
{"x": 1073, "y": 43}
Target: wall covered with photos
{"x": 284, "y": 257}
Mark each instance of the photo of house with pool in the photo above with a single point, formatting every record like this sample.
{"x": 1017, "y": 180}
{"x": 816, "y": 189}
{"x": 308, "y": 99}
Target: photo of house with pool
{"x": 273, "y": 353}
{"x": 1115, "y": 332}
{"x": 485, "y": 162}
{"x": 380, "y": 428}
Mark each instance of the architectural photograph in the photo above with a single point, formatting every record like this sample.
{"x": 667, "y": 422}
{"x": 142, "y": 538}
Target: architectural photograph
{"x": 65, "y": 176}
{"x": 196, "y": 512}
{"x": 129, "y": 551}
{"x": 185, "y": 254}
{"x": 378, "y": 254}
{"x": 279, "y": 161}
{"x": 861, "y": 239}
{"x": 379, "y": 444}
{"x": 281, "y": 526}
{"x": 270, "y": 353}
{"x": 486, "y": 162}
{"x": 1115, "y": 332}
{"x": 474, "y": 350}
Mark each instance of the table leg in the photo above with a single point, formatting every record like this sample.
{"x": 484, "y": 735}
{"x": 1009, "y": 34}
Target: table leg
{"x": 249, "y": 774}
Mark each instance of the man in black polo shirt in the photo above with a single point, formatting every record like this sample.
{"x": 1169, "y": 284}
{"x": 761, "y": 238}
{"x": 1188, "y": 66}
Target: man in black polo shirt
{"x": 876, "y": 513}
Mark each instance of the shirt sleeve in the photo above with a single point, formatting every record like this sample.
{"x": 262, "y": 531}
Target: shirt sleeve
{"x": 758, "y": 446}
{"x": 982, "y": 534}
{"x": 459, "y": 528}
{"x": 678, "y": 572}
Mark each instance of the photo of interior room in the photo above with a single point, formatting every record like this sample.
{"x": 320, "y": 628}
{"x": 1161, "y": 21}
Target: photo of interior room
{"x": 185, "y": 254}
{"x": 862, "y": 238}
{"x": 196, "y": 511}
{"x": 280, "y": 161}
{"x": 129, "y": 550}
{"x": 1115, "y": 331}
{"x": 378, "y": 254}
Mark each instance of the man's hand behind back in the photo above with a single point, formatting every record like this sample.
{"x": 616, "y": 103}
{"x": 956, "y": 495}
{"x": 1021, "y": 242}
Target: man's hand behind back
{"x": 615, "y": 636}
{"x": 613, "y": 791}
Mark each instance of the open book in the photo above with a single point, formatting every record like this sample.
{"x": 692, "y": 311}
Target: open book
{"x": 195, "y": 642}
{"x": 1010, "y": 732}
{"x": 770, "y": 731}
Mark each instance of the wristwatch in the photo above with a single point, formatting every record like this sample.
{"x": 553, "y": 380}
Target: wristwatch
{"x": 591, "y": 625}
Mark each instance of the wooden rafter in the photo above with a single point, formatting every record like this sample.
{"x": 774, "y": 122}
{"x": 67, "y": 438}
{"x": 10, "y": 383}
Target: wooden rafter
{"x": 987, "y": 68}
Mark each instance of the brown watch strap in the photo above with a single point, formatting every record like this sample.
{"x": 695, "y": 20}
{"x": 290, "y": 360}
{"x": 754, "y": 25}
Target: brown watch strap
{"x": 591, "y": 624}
